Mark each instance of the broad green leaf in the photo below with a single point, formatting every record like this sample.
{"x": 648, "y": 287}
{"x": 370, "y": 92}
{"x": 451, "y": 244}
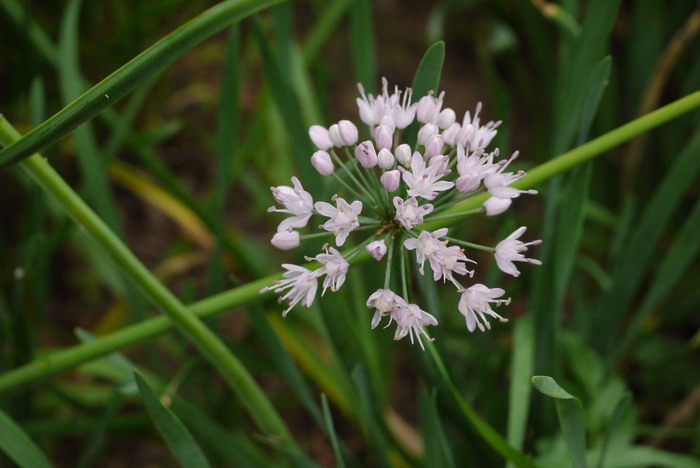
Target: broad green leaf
{"x": 125, "y": 79}
{"x": 570, "y": 417}
{"x": 179, "y": 440}
{"x": 427, "y": 78}
{"x": 18, "y": 446}
{"x": 330, "y": 430}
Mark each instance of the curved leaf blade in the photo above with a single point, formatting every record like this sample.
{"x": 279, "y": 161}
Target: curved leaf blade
{"x": 18, "y": 446}
{"x": 178, "y": 438}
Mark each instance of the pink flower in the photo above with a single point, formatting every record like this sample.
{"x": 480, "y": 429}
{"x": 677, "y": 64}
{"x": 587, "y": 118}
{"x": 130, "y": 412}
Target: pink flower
{"x": 425, "y": 182}
{"x": 343, "y": 218}
{"x": 474, "y": 305}
{"x": 409, "y": 214}
{"x": 296, "y": 201}
{"x": 301, "y": 283}
{"x": 509, "y": 251}
{"x": 377, "y": 249}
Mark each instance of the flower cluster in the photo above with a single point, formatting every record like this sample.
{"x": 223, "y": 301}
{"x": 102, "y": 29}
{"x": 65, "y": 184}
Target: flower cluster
{"x": 401, "y": 187}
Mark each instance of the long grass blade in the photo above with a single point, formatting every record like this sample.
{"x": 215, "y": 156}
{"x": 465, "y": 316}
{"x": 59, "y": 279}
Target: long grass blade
{"x": 18, "y": 446}
{"x": 178, "y": 438}
{"x": 125, "y": 79}
{"x": 570, "y": 417}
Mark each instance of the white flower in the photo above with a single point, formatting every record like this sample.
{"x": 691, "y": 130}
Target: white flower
{"x": 474, "y": 303}
{"x": 335, "y": 267}
{"x": 409, "y": 214}
{"x": 384, "y": 136}
{"x": 296, "y": 201}
{"x": 425, "y": 182}
{"x": 343, "y": 218}
{"x": 410, "y": 320}
{"x": 497, "y": 183}
{"x": 385, "y": 159}
{"x": 302, "y": 285}
{"x": 426, "y": 245}
{"x": 395, "y": 106}
{"x": 377, "y": 249}
{"x": 403, "y": 154}
{"x": 474, "y": 136}
{"x": 285, "y": 240}
{"x": 448, "y": 260}
{"x": 509, "y": 251}
{"x": 384, "y": 301}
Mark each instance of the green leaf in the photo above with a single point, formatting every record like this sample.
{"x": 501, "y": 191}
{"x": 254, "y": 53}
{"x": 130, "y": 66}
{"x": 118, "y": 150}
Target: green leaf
{"x": 570, "y": 417}
{"x": 437, "y": 448}
{"x": 288, "y": 108}
{"x": 125, "y": 79}
{"x": 523, "y": 358}
{"x": 179, "y": 440}
{"x": 330, "y": 430}
{"x": 18, "y": 446}
{"x": 427, "y": 78}
{"x": 362, "y": 41}
{"x": 620, "y": 410}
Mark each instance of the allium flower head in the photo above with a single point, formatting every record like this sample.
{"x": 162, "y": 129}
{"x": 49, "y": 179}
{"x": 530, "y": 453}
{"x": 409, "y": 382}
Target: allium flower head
{"x": 388, "y": 189}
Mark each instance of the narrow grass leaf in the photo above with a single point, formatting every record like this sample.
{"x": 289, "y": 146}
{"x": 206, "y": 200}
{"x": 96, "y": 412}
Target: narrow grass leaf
{"x": 641, "y": 246}
{"x": 362, "y": 41}
{"x": 227, "y": 135}
{"x": 483, "y": 429}
{"x": 330, "y": 430}
{"x": 372, "y": 423}
{"x": 437, "y": 447}
{"x": 288, "y": 108}
{"x": 89, "y": 156}
{"x": 326, "y": 24}
{"x": 233, "y": 448}
{"x": 620, "y": 410}
{"x": 427, "y": 78}
{"x": 523, "y": 359}
{"x": 125, "y": 79}
{"x": 18, "y": 446}
{"x": 570, "y": 417}
{"x": 667, "y": 274}
{"x": 179, "y": 440}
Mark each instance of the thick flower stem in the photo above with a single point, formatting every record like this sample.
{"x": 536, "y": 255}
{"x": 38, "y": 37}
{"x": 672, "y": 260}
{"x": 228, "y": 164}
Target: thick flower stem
{"x": 241, "y": 382}
{"x": 58, "y": 361}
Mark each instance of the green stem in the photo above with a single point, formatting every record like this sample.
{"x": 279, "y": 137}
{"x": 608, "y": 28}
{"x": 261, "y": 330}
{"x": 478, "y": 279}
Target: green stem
{"x": 58, "y": 361}
{"x": 252, "y": 397}
{"x": 404, "y": 283}
{"x": 586, "y": 151}
{"x": 452, "y": 215}
{"x": 389, "y": 258}
{"x": 470, "y": 245}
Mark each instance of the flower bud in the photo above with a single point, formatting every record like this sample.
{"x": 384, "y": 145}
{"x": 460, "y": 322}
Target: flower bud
{"x": 385, "y": 159}
{"x": 365, "y": 153}
{"x": 450, "y": 135}
{"x": 390, "y": 180}
{"x": 383, "y": 135}
{"x": 389, "y": 122}
{"x": 434, "y": 145}
{"x": 321, "y": 161}
{"x": 348, "y": 132}
{"x": 495, "y": 206}
{"x": 334, "y": 134}
{"x": 426, "y": 132}
{"x": 319, "y": 135}
{"x": 426, "y": 111}
{"x": 286, "y": 240}
{"x": 468, "y": 182}
{"x": 377, "y": 249}
{"x": 403, "y": 154}
{"x": 446, "y": 118}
